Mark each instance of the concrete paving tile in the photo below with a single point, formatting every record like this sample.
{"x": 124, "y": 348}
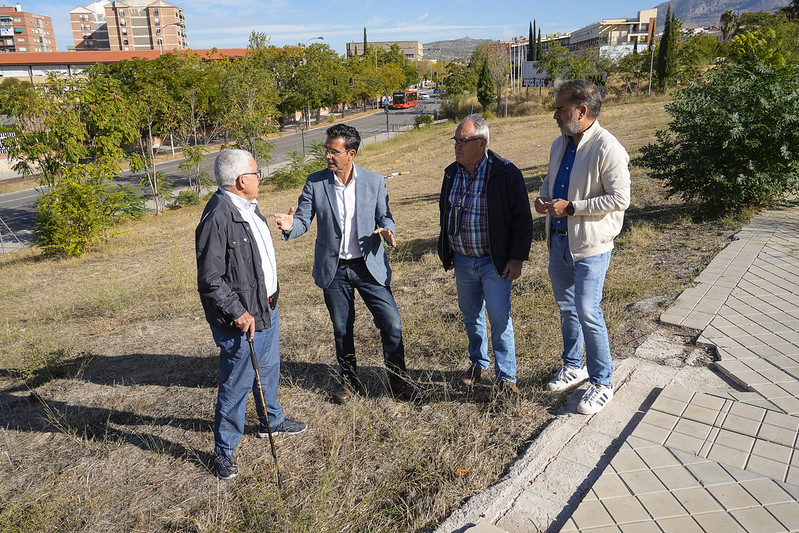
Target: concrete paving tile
{"x": 741, "y": 425}
{"x": 732, "y": 496}
{"x": 767, "y": 491}
{"x": 701, "y": 414}
{"x": 602, "y": 529}
{"x": 658, "y": 457}
{"x": 732, "y": 365}
{"x": 684, "y": 442}
{"x": 775, "y": 375}
{"x": 662, "y": 505}
{"x": 774, "y": 451}
{"x": 682, "y": 524}
{"x": 787, "y": 405}
{"x": 792, "y": 388}
{"x": 697, "y": 320}
{"x": 591, "y": 514}
{"x": 660, "y": 419}
{"x": 650, "y": 432}
{"x": 768, "y": 467}
{"x": 743, "y": 475}
{"x": 697, "y": 501}
{"x": 752, "y": 378}
{"x": 757, "y": 520}
{"x": 642, "y": 482}
{"x": 676, "y": 477}
{"x": 627, "y": 461}
{"x": 627, "y": 509}
{"x": 737, "y": 441}
{"x": 677, "y": 392}
{"x": 782, "y": 420}
{"x": 710, "y": 473}
{"x": 728, "y": 456}
{"x": 569, "y": 527}
{"x": 777, "y": 435}
{"x": 610, "y": 485}
{"x": 770, "y": 390}
{"x": 669, "y": 405}
{"x": 636, "y": 443}
{"x": 787, "y": 514}
{"x": 640, "y": 527}
{"x": 693, "y": 428}
{"x": 747, "y": 411}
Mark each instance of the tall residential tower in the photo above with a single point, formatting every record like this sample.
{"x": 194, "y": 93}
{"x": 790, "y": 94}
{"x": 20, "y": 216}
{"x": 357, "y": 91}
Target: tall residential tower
{"x": 25, "y": 32}
{"x": 129, "y": 25}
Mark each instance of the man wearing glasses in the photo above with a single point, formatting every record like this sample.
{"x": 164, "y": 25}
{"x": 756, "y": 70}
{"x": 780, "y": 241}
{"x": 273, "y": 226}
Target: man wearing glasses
{"x": 237, "y": 281}
{"x": 486, "y": 231}
{"x": 350, "y": 204}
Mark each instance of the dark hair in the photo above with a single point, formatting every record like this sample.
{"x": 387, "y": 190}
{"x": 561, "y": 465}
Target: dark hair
{"x": 352, "y": 139}
{"x": 583, "y": 92}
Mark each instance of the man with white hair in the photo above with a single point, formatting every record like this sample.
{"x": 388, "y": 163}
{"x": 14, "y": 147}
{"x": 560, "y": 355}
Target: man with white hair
{"x": 237, "y": 281}
{"x": 486, "y": 231}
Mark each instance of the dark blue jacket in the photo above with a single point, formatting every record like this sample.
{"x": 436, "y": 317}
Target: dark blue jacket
{"x": 510, "y": 221}
{"x": 230, "y": 277}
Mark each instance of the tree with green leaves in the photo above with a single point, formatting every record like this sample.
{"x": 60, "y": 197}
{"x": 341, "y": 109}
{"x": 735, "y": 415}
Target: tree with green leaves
{"x": 791, "y": 11}
{"x": 727, "y": 23}
{"x": 250, "y": 101}
{"x": 486, "y": 90}
{"x": 666, "y": 63}
{"x": 532, "y": 46}
{"x": 733, "y": 141}
{"x": 365, "y": 42}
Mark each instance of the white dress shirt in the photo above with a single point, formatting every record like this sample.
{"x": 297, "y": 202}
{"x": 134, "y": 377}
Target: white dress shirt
{"x": 345, "y": 201}
{"x": 263, "y": 239}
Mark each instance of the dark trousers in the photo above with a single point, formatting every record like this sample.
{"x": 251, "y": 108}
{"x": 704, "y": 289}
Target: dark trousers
{"x": 340, "y": 300}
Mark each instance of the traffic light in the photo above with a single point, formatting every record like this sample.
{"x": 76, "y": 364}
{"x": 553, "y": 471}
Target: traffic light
{"x": 352, "y": 81}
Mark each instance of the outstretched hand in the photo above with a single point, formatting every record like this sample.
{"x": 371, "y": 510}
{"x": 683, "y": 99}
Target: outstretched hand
{"x": 387, "y": 235}
{"x": 285, "y": 221}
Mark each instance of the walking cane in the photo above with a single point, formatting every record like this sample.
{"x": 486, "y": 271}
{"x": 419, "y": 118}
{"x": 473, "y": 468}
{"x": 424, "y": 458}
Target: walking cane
{"x": 266, "y": 414}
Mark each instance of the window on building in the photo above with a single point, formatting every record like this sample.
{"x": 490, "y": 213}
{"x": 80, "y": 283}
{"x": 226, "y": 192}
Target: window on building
{"x": 23, "y": 49}
{"x": 122, "y": 22}
{"x": 122, "y": 12}
{"x": 124, "y": 31}
{"x": 155, "y": 12}
{"x": 157, "y": 21}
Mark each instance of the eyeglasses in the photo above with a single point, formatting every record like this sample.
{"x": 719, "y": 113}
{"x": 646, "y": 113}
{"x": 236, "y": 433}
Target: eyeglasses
{"x": 456, "y": 141}
{"x": 257, "y": 174}
{"x": 334, "y": 153}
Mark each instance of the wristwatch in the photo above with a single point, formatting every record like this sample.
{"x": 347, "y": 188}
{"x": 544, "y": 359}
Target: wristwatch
{"x": 570, "y": 209}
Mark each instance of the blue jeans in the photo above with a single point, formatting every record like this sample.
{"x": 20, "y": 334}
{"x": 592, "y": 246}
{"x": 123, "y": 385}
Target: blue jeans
{"x": 481, "y": 290}
{"x": 340, "y": 300}
{"x": 578, "y": 290}
{"x": 237, "y": 380}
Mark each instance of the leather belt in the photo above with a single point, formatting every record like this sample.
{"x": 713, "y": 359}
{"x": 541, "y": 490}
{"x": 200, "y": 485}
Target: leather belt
{"x": 353, "y": 261}
{"x": 559, "y": 231}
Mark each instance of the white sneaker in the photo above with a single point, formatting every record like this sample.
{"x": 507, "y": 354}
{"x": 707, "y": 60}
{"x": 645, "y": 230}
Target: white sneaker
{"x": 567, "y": 377}
{"x": 594, "y": 399}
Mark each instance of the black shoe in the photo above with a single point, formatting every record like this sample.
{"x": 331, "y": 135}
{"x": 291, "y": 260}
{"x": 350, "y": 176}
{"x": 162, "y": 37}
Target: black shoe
{"x": 225, "y": 467}
{"x": 471, "y": 376}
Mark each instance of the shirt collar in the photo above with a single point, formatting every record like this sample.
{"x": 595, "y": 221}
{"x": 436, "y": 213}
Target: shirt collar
{"x": 479, "y": 167}
{"x": 241, "y": 203}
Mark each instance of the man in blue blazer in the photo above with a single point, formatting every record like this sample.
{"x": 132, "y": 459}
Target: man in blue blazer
{"x": 351, "y": 207}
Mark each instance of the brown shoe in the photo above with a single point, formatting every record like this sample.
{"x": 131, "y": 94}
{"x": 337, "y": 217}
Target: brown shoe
{"x": 509, "y": 388}
{"x": 345, "y": 389}
{"x": 402, "y": 389}
{"x": 471, "y": 376}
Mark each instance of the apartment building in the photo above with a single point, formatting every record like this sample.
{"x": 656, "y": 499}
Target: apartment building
{"x": 129, "y": 26}
{"x": 21, "y": 31}
{"x": 412, "y": 50}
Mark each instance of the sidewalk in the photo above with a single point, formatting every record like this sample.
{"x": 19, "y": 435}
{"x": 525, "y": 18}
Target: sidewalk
{"x": 680, "y": 448}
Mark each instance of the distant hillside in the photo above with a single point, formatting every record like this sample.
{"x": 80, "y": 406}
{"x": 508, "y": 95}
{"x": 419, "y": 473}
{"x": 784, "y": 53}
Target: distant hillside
{"x": 703, "y": 13}
{"x": 449, "y": 50}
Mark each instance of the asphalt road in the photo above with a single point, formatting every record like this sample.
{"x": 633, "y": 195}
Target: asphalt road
{"x": 17, "y": 209}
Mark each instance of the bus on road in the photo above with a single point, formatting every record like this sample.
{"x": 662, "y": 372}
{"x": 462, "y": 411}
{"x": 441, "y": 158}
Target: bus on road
{"x": 404, "y": 99}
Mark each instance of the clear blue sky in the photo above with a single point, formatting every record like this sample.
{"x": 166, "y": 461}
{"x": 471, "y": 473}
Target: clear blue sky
{"x": 228, "y": 23}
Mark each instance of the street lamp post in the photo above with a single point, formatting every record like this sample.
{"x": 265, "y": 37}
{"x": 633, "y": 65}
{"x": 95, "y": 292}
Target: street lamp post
{"x": 161, "y": 35}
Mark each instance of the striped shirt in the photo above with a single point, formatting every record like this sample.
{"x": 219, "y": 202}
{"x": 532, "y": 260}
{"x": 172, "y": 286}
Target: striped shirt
{"x": 468, "y": 194}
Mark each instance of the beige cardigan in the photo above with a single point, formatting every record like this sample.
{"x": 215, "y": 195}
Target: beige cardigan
{"x": 599, "y": 188}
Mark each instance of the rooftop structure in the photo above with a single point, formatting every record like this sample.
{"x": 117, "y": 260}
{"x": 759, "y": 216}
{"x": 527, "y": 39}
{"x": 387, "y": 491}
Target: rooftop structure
{"x": 412, "y": 50}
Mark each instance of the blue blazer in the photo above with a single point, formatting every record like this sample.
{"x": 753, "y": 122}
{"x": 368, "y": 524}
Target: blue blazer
{"x": 318, "y": 199}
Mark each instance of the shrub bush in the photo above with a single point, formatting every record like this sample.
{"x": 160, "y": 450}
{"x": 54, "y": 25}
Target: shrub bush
{"x": 422, "y": 120}
{"x": 300, "y": 165}
{"x": 733, "y": 141}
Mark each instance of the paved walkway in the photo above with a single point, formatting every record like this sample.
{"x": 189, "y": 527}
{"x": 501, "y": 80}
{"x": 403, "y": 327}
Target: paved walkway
{"x": 681, "y": 449}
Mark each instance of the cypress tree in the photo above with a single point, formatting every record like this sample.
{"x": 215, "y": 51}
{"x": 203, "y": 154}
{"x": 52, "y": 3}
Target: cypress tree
{"x": 667, "y": 52}
{"x": 531, "y": 45}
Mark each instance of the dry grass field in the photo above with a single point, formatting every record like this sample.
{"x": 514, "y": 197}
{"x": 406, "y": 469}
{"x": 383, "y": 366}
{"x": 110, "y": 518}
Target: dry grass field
{"x": 108, "y": 370}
